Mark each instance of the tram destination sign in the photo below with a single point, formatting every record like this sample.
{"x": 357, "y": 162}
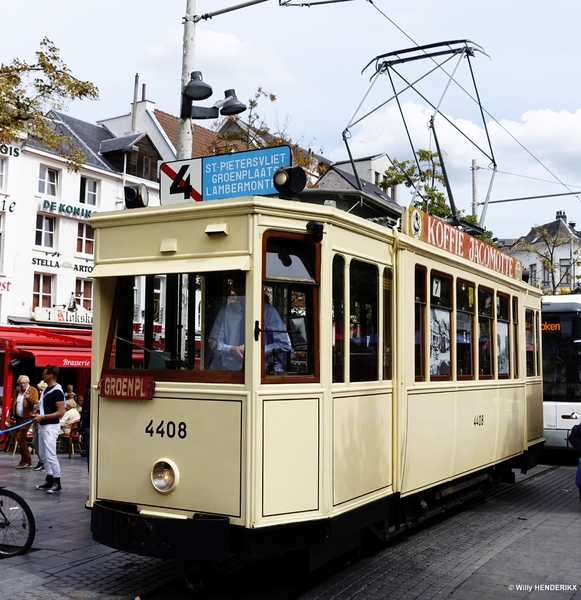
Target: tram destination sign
{"x": 127, "y": 387}
{"x": 437, "y": 233}
{"x": 222, "y": 176}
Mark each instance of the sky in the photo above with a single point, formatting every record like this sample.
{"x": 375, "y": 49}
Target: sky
{"x": 311, "y": 57}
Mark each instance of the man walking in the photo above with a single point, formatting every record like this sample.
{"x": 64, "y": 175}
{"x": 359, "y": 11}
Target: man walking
{"x": 24, "y": 401}
{"x": 52, "y": 408}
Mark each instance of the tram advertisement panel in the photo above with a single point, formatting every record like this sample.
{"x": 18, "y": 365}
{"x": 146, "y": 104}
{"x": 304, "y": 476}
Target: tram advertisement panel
{"x": 436, "y": 232}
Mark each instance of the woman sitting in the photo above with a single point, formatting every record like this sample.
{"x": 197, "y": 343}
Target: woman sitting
{"x": 71, "y": 415}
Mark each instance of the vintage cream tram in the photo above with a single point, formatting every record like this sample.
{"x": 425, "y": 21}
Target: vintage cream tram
{"x": 401, "y": 376}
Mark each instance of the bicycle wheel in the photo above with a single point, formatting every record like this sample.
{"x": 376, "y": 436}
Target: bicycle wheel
{"x": 17, "y": 526}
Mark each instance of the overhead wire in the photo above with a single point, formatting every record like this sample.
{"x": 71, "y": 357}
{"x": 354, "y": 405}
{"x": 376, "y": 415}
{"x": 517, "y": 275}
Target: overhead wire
{"x": 478, "y": 102}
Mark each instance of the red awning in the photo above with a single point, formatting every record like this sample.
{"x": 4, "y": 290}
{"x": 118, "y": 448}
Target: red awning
{"x": 59, "y": 356}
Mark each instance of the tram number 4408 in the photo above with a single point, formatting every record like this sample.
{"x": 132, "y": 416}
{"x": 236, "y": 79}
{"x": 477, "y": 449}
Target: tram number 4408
{"x": 170, "y": 429}
{"x": 478, "y": 420}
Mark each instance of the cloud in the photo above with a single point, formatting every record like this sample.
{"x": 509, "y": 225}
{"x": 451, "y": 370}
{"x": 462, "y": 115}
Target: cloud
{"x": 534, "y": 155}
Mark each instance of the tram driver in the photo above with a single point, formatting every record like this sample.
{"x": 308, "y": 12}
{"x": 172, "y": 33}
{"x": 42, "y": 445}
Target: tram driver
{"x": 227, "y": 335}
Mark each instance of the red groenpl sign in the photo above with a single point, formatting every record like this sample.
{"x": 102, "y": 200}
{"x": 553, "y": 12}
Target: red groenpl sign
{"x": 127, "y": 387}
{"x": 451, "y": 239}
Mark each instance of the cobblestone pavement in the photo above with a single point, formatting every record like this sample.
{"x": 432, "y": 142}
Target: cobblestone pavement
{"x": 524, "y": 543}
{"x": 64, "y": 562}
{"x": 527, "y": 537}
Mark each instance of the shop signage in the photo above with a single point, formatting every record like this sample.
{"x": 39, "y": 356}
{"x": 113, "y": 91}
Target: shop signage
{"x": 9, "y": 150}
{"x": 59, "y": 314}
{"x": 5, "y": 285}
{"x": 55, "y": 264}
{"x": 127, "y": 387}
{"x": 66, "y": 209}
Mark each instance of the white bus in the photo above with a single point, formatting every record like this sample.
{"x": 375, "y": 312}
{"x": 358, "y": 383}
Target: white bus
{"x": 561, "y": 335}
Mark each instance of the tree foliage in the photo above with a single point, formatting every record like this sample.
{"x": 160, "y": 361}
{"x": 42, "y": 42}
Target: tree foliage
{"x": 252, "y": 132}
{"x": 544, "y": 245}
{"x": 427, "y": 183}
{"x": 28, "y": 91}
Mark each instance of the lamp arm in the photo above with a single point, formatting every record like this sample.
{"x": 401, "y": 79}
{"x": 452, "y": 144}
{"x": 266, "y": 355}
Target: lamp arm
{"x": 206, "y": 16}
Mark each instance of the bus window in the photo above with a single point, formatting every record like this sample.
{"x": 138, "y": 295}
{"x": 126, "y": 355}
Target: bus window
{"x": 420, "y": 323}
{"x": 338, "y": 309}
{"x": 289, "y": 324}
{"x": 465, "y": 305}
{"x": 485, "y": 324}
{"x": 440, "y": 320}
{"x": 561, "y": 357}
{"x": 363, "y": 322}
{"x": 387, "y": 324}
{"x": 502, "y": 337}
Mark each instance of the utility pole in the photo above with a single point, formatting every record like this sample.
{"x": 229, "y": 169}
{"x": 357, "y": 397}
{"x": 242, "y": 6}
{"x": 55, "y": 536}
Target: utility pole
{"x": 184, "y": 143}
{"x": 474, "y": 168}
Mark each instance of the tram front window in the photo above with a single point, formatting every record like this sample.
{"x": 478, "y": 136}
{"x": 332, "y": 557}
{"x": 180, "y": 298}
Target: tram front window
{"x": 181, "y": 325}
{"x": 192, "y": 326}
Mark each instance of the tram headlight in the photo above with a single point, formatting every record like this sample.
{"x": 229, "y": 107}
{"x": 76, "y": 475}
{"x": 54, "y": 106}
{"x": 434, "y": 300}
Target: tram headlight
{"x": 165, "y": 475}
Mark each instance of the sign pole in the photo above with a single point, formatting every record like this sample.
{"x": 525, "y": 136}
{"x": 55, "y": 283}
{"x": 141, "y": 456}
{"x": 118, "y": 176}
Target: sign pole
{"x": 185, "y": 134}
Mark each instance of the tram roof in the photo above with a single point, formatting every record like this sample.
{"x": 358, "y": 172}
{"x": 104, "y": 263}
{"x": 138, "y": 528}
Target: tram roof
{"x": 355, "y": 202}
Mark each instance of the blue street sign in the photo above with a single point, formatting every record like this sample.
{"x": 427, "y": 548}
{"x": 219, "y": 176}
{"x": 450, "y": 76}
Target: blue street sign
{"x": 243, "y": 173}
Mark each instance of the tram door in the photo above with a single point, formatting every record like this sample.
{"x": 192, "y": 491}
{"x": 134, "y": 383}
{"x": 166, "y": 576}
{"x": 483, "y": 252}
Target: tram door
{"x": 288, "y": 332}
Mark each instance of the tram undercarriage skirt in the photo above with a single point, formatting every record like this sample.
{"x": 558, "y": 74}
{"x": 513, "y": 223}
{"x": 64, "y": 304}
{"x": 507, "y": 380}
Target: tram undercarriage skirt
{"x": 204, "y": 537}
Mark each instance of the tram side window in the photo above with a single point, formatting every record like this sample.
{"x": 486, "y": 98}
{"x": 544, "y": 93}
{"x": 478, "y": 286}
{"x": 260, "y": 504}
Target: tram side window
{"x": 485, "y": 327}
{"x": 387, "y": 324}
{"x": 338, "y": 309}
{"x": 440, "y": 321}
{"x": 530, "y": 341}
{"x": 290, "y": 312}
{"x": 364, "y": 318}
{"x": 466, "y": 307}
{"x": 502, "y": 335}
{"x": 420, "y": 323}
{"x": 515, "y": 340}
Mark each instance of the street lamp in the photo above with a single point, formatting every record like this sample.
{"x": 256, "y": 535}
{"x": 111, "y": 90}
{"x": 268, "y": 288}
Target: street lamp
{"x": 198, "y": 89}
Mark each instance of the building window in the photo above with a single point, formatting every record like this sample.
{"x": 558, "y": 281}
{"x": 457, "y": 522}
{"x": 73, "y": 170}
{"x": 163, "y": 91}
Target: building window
{"x": 85, "y": 239}
{"x": 2, "y": 172}
{"x": 42, "y": 293}
{"x": 533, "y": 272}
{"x": 143, "y": 166}
{"x": 47, "y": 181}
{"x": 565, "y": 266}
{"x": 45, "y": 230}
{"x": 84, "y": 293}
{"x": 88, "y": 193}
